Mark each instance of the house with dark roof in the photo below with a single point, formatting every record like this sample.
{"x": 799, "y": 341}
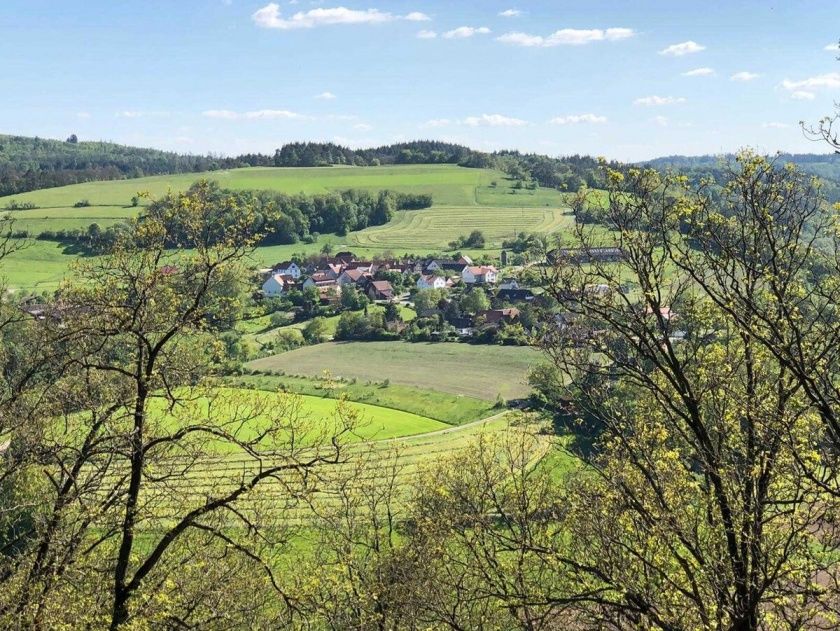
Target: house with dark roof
{"x": 494, "y": 317}
{"x": 379, "y": 290}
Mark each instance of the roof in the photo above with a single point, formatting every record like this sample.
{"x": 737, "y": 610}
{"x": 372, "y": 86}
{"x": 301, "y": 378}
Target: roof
{"x": 429, "y": 278}
{"x": 354, "y": 274}
{"x": 494, "y": 316}
{"x": 479, "y": 270}
{"x": 284, "y": 264}
{"x": 522, "y": 293}
{"x": 321, "y": 277}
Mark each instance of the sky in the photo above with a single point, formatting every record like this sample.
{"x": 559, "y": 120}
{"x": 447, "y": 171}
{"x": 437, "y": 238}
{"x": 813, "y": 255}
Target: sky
{"x": 625, "y": 80}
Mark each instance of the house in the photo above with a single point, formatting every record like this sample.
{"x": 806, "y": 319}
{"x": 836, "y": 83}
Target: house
{"x": 320, "y": 279}
{"x": 353, "y": 277}
{"x": 465, "y": 260}
{"x": 495, "y": 317}
{"x": 463, "y": 325}
{"x": 516, "y": 295}
{"x": 443, "y": 265}
{"x": 329, "y": 294}
{"x": 482, "y": 274}
{"x": 274, "y": 285}
{"x": 432, "y": 282}
{"x": 288, "y": 268}
{"x": 509, "y": 283}
{"x": 365, "y": 266}
{"x": 379, "y": 290}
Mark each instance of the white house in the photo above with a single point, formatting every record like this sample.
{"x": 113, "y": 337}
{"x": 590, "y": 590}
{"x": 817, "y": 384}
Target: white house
{"x": 482, "y": 274}
{"x": 431, "y": 282}
{"x": 274, "y": 285}
{"x": 509, "y": 283}
{"x": 288, "y": 268}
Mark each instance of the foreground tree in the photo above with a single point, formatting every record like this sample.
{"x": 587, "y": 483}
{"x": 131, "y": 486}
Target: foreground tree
{"x": 145, "y": 476}
{"x": 698, "y": 511}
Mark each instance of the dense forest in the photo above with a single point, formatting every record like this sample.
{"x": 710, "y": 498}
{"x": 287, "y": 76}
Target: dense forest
{"x": 825, "y": 166}
{"x": 278, "y": 218}
{"x": 28, "y": 164}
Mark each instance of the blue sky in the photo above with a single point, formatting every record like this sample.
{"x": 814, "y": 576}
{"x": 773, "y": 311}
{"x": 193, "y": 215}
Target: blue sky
{"x": 627, "y": 80}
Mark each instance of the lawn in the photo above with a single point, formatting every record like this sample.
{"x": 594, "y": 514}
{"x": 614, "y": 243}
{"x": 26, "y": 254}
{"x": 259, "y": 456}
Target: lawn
{"x": 478, "y": 371}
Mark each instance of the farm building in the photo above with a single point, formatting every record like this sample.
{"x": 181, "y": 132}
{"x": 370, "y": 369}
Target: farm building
{"x": 379, "y": 290}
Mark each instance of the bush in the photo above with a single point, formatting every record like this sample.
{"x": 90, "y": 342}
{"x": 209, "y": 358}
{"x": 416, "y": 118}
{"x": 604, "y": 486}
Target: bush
{"x": 82, "y": 203}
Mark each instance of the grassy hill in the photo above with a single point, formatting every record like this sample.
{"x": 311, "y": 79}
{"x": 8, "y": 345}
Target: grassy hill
{"x": 464, "y": 199}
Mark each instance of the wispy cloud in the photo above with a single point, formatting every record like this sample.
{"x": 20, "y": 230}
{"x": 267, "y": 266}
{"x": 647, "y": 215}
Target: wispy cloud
{"x": 802, "y": 95}
{"x": 141, "y": 114}
{"x": 775, "y": 125}
{"x": 832, "y": 47}
{"x": 699, "y": 72}
{"x": 270, "y": 16}
{"x": 424, "y": 34}
{"x": 325, "y": 96}
{"x": 83, "y": 115}
{"x": 662, "y": 121}
{"x": 436, "y": 123}
{"x": 683, "y": 48}
{"x": 254, "y": 115}
{"x": 567, "y": 37}
{"x": 462, "y": 32}
{"x": 744, "y": 76}
{"x": 363, "y": 127}
{"x": 576, "y": 119}
{"x": 659, "y": 100}
{"x": 494, "y": 120}
{"x": 510, "y": 13}
{"x": 829, "y": 80}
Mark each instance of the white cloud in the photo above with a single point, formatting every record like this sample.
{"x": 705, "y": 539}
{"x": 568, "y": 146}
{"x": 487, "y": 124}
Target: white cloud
{"x": 829, "y": 80}
{"x": 832, "y": 47}
{"x": 662, "y": 121}
{"x": 575, "y": 119}
{"x": 699, "y": 72}
{"x": 744, "y": 76}
{"x": 83, "y": 115}
{"x": 683, "y": 48}
{"x": 270, "y": 16}
{"x": 510, "y": 13}
{"x": 436, "y": 122}
{"x": 659, "y": 100}
{"x": 141, "y": 114}
{"x": 363, "y": 127}
{"x": 424, "y": 34}
{"x": 802, "y": 95}
{"x": 463, "y": 32}
{"x": 223, "y": 114}
{"x": 254, "y": 115}
{"x": 566, "y": 37}
{"x": 493, "y": 120}
{"x": 775, "y": 125}
{"x": 325, "y": 96}
{"x": 417, "y": 16}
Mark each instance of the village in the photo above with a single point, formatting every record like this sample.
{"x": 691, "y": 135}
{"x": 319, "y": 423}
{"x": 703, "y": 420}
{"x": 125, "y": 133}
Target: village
{"x": 466, "y": 299}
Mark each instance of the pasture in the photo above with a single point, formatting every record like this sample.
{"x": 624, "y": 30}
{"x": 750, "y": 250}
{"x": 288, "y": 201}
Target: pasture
{"x": 478, "y": 371}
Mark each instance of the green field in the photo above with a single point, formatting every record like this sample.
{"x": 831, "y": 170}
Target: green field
{"x": 478, "y": 371}
{"x": 373, "y": 422}
{"x": 452, "y": 409}
{"x": 464, "y": 200}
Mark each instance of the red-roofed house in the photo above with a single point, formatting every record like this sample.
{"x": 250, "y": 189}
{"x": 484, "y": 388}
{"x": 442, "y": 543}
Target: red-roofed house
{"x": 481, "y": 274}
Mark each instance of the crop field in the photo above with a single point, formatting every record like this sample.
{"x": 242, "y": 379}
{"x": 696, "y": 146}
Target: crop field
{"x": 479, "y": 371}
{"x": 464, "y": 200}
{"x": 427, "y": 230}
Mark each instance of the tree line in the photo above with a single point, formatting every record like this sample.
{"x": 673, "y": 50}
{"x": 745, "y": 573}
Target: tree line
{"x": 278, "y": 218}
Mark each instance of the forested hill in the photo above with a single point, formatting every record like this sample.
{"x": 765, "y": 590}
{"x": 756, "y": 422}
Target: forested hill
{"x": 28, "y": 164}
{"x": 825, "y": 165}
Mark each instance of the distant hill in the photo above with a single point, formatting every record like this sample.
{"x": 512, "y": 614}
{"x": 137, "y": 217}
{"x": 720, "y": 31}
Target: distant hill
{"x": 28, "y": 164}
{"x": 824, "y": 165}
